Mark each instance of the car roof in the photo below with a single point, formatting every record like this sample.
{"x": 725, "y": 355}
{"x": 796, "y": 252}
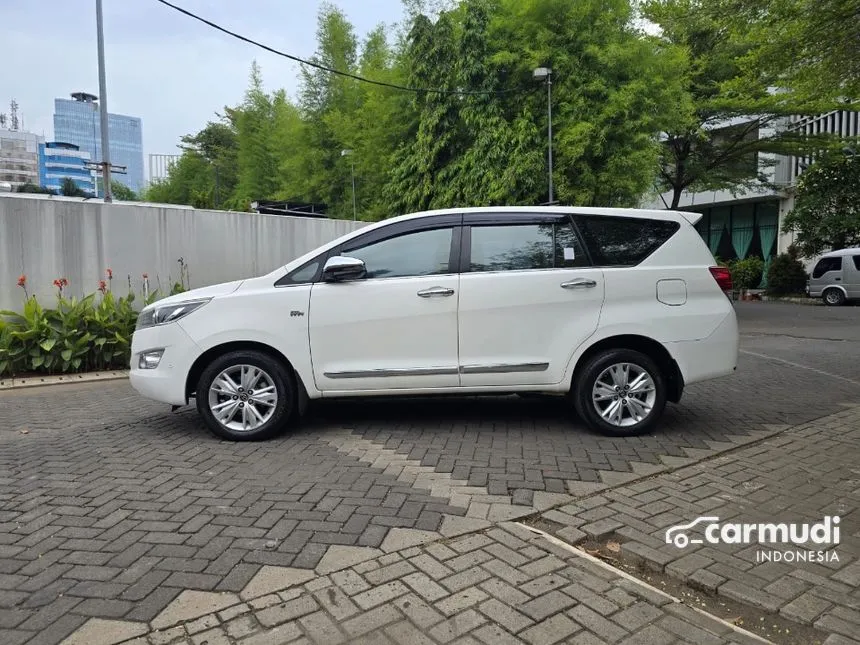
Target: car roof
{"x": 665, "y": 215}
{"x": 668, "y": 215}
{"x": 832, "y": 254}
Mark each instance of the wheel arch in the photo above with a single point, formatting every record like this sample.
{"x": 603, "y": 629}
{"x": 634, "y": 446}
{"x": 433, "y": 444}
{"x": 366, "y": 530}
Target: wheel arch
{"x": 838, "y": 287}
{"x": 219, "y": 350}
{"x": 652, "y": 348}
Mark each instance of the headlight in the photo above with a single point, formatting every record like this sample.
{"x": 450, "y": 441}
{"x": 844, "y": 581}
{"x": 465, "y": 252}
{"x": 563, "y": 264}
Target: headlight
{"x": 168, "y": 313}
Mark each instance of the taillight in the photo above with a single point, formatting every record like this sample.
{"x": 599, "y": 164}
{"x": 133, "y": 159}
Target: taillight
{"x": 723, "y": 277}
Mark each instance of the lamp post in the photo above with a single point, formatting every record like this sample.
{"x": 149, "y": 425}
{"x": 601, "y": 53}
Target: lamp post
{"x": 347, "y": 153}
{"x": 103, "y": 105}
{"x": 545, "y": 73}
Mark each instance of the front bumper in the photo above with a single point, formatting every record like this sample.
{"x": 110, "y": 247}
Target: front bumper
{"x": 165, "y": 383}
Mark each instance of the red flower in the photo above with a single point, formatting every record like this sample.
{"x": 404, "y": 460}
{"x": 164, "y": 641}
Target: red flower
{"x": 58, "y": 284}
{"x": 22, "y": 281}
{"x": 110, "y": 274}
{"x": 102, "y": 286}
{"x": 146, "y": 276}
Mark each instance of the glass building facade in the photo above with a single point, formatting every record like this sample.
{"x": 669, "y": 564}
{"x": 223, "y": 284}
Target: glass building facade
{"x": 77, "y": 122}
{"x": 58, "y": 160}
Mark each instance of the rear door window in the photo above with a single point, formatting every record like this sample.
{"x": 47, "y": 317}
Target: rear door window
{"x": 856, "y": 259}
{"x": 623, "y": 241}
{"x": 525, "y": 246}
{"x": 825, "y": 265}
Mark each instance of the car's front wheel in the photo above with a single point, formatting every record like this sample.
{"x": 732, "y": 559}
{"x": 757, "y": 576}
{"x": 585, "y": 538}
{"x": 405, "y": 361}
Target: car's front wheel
{"x": 245, "y": 396}
{"x": 620, "y": 392}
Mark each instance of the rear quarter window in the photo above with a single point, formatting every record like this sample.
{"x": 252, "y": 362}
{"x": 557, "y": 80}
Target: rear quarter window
{"x": 856, "y": 259}
{"x": 623, "y": 241}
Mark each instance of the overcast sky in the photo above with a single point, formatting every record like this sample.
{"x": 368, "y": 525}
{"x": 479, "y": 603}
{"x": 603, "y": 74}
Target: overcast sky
{"x": 166, "y": 68}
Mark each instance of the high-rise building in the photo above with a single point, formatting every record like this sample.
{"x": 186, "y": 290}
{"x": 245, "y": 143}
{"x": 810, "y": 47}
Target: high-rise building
{"x": 19, "y": 157}
{"x": 58, "y": 160}
{"x": 76, "y": 121}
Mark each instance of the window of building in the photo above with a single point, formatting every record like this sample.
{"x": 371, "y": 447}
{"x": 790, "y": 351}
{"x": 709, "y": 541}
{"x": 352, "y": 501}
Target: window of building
{"x": 623, "y": 241}
{"x": 827, "y": 264}
{"x": 412, "y": 254}
{"x": 517, "y": 247}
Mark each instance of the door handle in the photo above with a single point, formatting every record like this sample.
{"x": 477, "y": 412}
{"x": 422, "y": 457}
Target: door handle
{"x": 578, "y": 283}
{"x": 436, "y": 292}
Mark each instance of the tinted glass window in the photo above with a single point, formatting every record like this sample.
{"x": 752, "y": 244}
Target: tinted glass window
{"x": 525, "y": 246}
{"x": 413, "y": 254}
{"x": 827, "y": 264}
{"x": 623, "y": 241}
{"x": 856, "y": 259}
{"x": 303, "y": 275}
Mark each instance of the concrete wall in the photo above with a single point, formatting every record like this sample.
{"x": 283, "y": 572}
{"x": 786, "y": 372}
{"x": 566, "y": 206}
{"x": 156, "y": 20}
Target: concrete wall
{"x": 49, "y": 237}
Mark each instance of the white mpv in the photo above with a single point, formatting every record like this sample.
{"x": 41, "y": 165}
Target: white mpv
{"x": 618, "y": 309}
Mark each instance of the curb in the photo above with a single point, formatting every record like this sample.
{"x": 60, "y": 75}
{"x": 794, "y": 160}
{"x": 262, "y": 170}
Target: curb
{"x": 815, "y": 302}
{"x": 64, "y": 379}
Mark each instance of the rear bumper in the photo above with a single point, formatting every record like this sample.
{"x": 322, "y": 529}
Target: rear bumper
{"x": 711, "y": 357}
{"x": 165, "y": 383}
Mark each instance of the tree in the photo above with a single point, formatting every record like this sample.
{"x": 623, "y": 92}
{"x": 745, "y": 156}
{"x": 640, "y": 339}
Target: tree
{"x": 122, "y": 192}
{"x": 189, "y": 181}
{"x": 726, "y": 121}
{"x": 69, "y": 188}
{"x": 611, "y": 90}
{"x": 826, "y": 213}
{"x": 810, "y": 46}
{"x": 255, "y": 152}
{"x": 29, "y": 187}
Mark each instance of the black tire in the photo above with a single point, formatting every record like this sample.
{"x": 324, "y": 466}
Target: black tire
{"x": 587, "y": 378}
{"x": 274, "y": 370}
{"x": 833, "y": 297}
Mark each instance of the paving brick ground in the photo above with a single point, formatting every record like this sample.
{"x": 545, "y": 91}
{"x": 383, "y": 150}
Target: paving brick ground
{"x": 501, "y": 586}
{"x": 111, "y": 506}
{"x": 800, "y": 475}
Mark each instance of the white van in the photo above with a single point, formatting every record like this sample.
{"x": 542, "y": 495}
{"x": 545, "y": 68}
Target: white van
{"x": 836, "y": 277}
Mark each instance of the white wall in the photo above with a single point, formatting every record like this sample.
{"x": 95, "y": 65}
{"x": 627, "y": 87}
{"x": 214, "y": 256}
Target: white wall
{"x": 49, "y": 237}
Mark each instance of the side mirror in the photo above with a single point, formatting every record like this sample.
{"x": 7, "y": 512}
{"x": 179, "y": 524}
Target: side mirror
{"x": 341, "y": 268}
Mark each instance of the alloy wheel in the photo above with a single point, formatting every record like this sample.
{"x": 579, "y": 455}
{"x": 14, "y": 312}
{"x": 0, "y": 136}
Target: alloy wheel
{"x": 624, "y": 394}
{"x": 243, "y": 397}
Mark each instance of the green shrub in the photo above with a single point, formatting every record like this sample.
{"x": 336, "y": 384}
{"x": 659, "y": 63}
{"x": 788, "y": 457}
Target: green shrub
{"x": 786, "y": 275}
{"x": 93, "y": 333}
{"x": 746, "y": 273}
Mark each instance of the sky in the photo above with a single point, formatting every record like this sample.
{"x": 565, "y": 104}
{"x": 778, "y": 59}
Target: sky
{"x": 172, "y": 71}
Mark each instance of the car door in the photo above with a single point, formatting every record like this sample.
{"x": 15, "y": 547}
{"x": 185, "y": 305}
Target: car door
{"x": 853, "y": 276}
{"x": 528, "y": 298}
{"x": 396, "y": 328}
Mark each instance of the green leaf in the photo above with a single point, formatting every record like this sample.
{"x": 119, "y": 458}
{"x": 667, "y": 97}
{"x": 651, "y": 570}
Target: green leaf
{"x": 48, "y": 344}
{"x": 37, "y": 361}
{"x": 66, "y": 354}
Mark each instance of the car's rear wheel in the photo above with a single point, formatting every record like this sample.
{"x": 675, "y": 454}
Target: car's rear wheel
{"x": 620, "y": 392}
{"x": 834, "y": 297}
{"x": 245, "y": 396}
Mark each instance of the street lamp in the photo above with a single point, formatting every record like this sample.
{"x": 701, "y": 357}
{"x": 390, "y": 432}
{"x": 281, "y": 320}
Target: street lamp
{"x": 346, "y": 153}
{"x": 103, "y": 113}
{"x": 540, "y": 74}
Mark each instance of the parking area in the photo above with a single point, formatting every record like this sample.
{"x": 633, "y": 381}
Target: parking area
{"x": 112, "y": 506}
